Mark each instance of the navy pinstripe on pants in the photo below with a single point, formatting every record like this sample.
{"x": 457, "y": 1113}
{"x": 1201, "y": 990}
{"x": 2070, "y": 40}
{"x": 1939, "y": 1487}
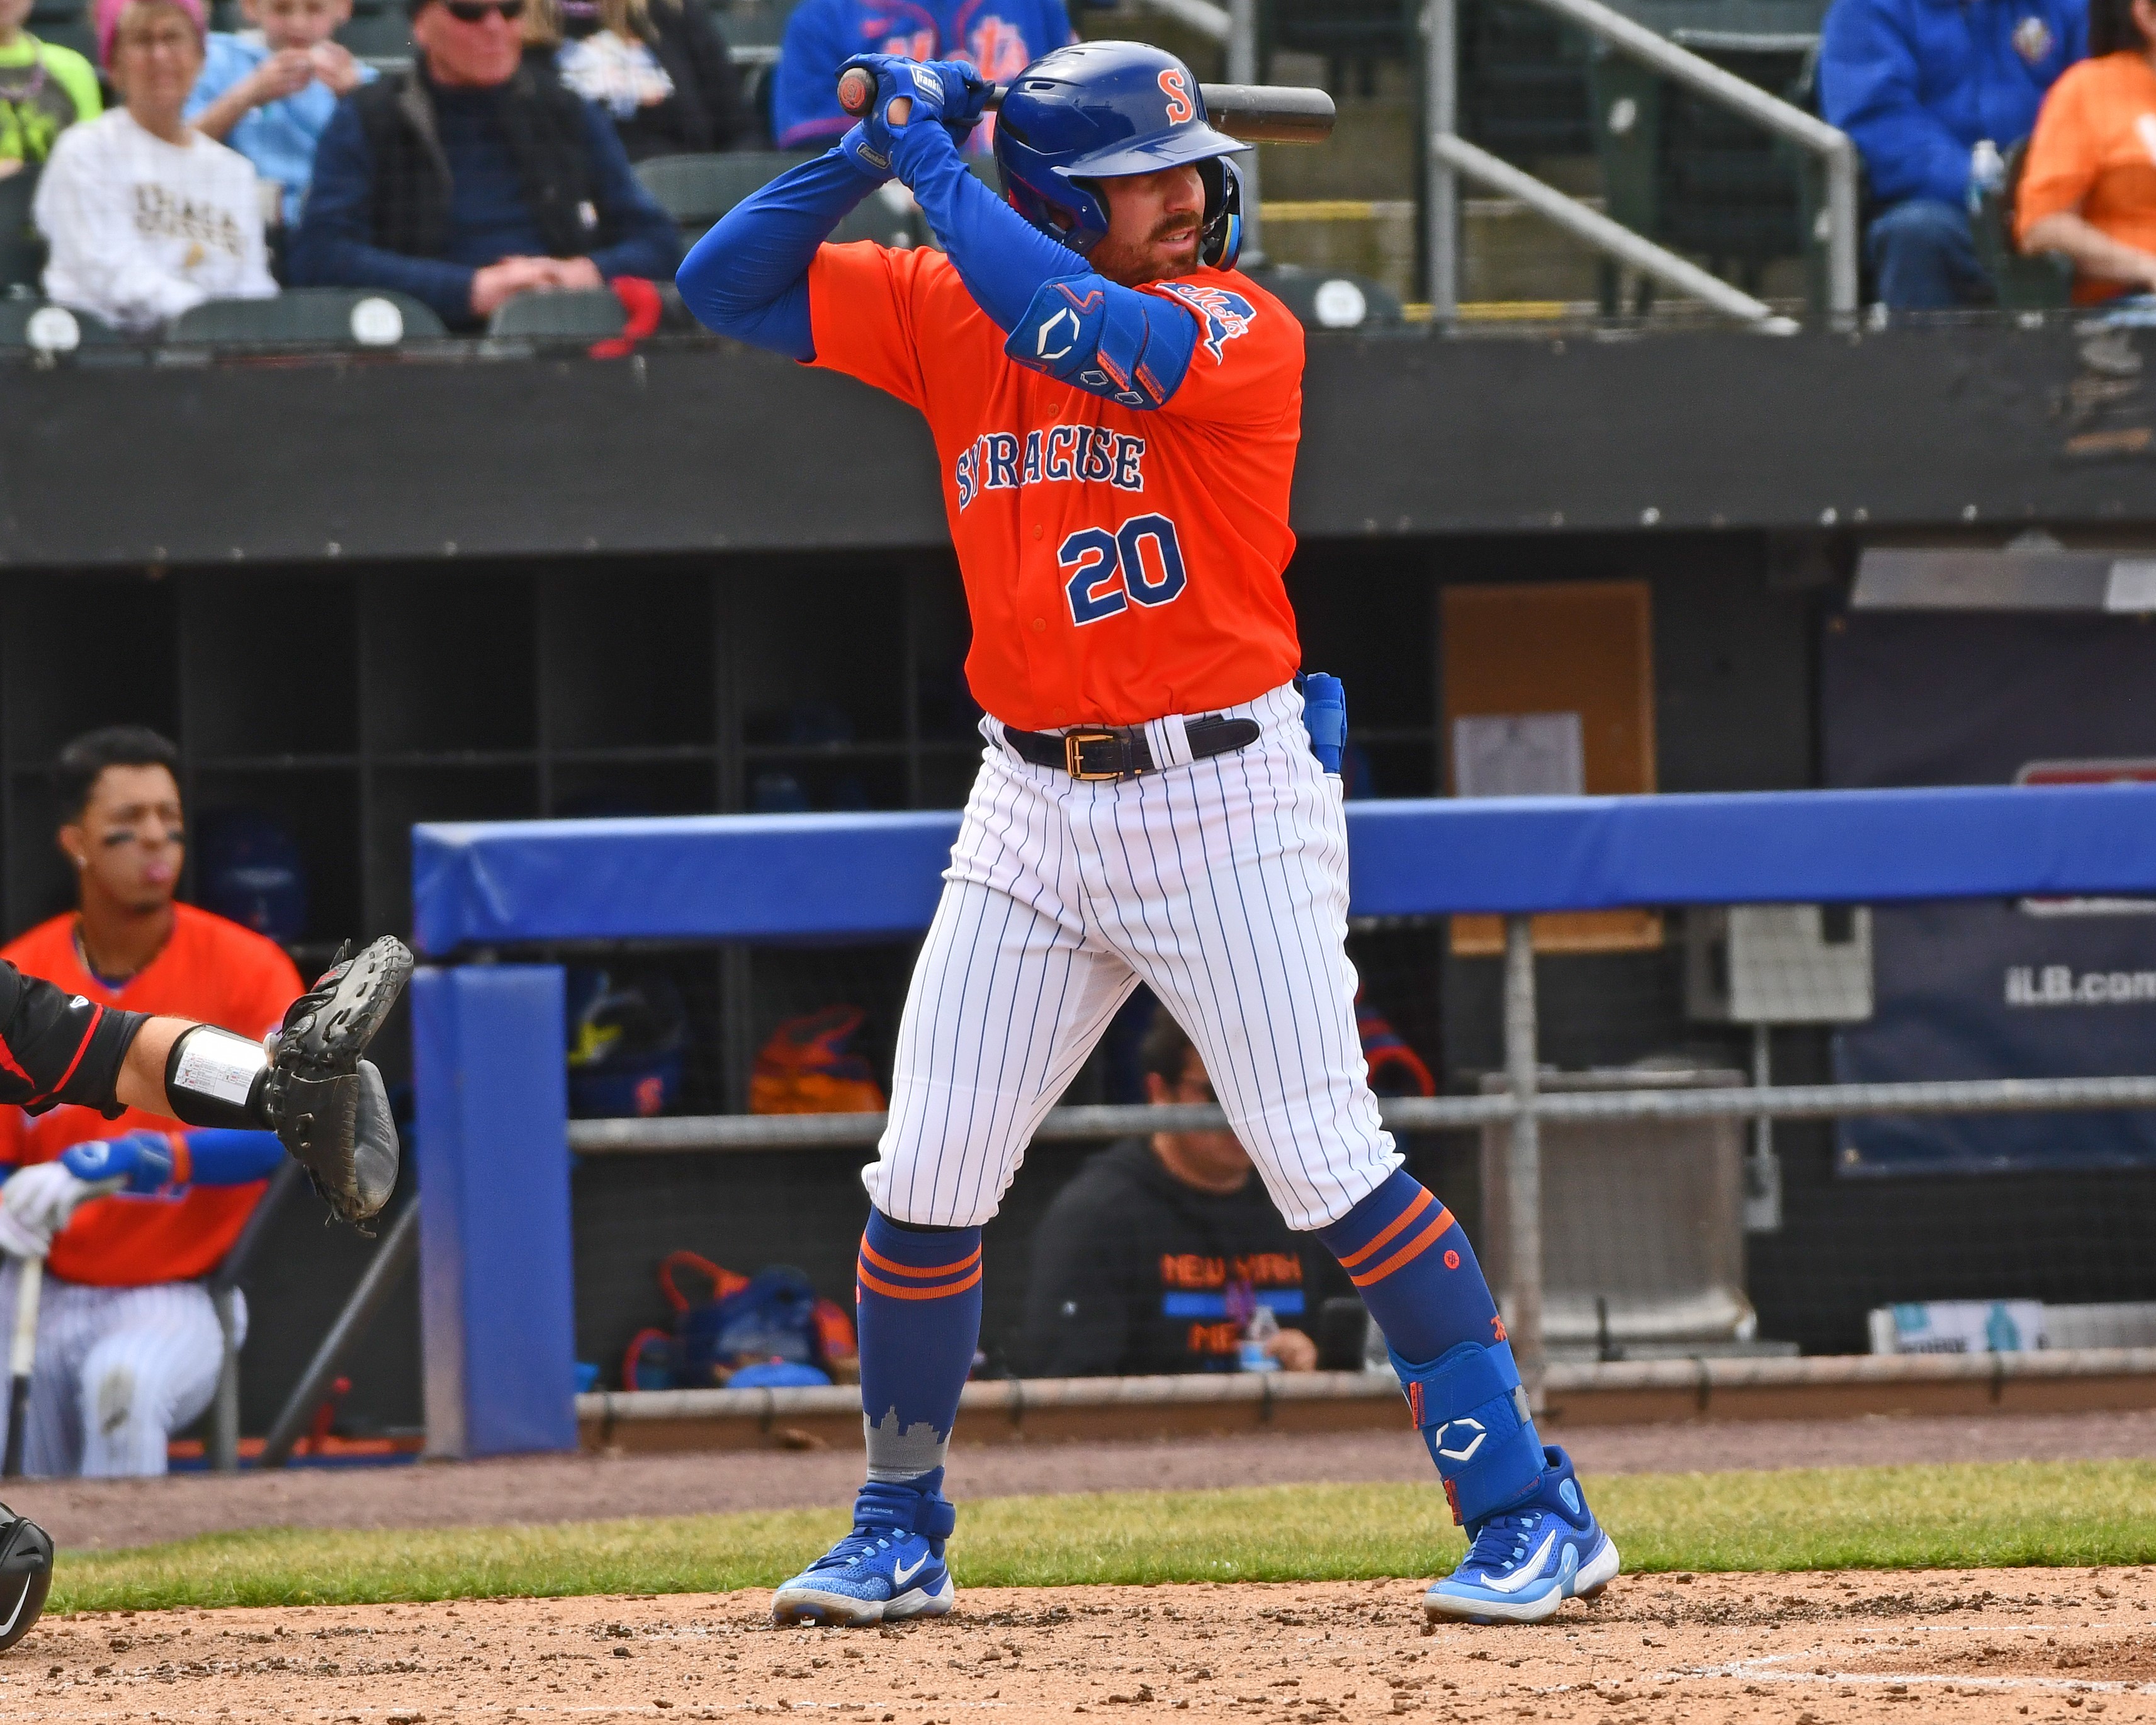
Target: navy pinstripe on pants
{"x": 1221, "y": 885}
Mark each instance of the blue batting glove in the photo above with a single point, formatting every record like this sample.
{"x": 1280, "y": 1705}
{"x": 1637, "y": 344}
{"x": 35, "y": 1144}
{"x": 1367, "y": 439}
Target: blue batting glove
{"x": 946, "y": 93}
{"x": 142, "y": 1160}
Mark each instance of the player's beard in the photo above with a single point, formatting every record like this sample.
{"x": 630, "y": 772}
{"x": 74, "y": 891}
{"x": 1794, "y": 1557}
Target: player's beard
{"x": 1148, "y": 263}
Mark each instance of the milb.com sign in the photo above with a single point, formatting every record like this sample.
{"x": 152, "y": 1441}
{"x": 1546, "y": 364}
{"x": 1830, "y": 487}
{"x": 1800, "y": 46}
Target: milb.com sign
{"x": 2061, "y": 985}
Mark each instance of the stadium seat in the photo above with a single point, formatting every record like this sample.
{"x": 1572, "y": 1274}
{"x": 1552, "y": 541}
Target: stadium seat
{"x": 1523, "y": 82}
{"x": 22, "y": 326}
{"x": 563, "y": 315}
{"x": 697, "y": 190}
{"x": 343, "y": 316}
{"x": 377, "y": 31}
{"x": 67, "y": 24}
{"x": 1346, "y": 32}
{"x": 1328, "y": 300}
{"x": 21, "y": 247}
{"x": 2042, "y": 282}
{"x": 1697, "y": 177}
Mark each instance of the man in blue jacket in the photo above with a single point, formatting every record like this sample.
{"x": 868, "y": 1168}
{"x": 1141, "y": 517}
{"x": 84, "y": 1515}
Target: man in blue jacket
{"x": 471, "y": 180}
{"x": 998, "y": 38}
{"x": 1919, "y": 84}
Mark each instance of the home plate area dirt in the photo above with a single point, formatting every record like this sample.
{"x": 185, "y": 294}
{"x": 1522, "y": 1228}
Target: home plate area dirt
{"x": 2008, "y": 1645}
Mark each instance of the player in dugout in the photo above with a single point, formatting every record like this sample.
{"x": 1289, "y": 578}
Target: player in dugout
{"x": 128, "y": 1214}
{"x": 1157, "y": 1256}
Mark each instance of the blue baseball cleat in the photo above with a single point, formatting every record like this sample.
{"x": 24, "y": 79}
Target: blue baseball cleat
{"x": 890, "y": 1567}
{"x": 1524, "y": 1563}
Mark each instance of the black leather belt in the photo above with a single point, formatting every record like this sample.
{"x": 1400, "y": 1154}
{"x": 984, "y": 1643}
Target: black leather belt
{"x": 1122, "y": 750}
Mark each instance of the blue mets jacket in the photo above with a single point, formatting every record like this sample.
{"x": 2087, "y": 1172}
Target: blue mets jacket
{"x": 1918, "y": 82}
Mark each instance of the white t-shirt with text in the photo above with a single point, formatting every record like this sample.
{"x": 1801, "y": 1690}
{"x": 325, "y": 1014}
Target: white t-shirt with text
{"x": 141, "y": 229}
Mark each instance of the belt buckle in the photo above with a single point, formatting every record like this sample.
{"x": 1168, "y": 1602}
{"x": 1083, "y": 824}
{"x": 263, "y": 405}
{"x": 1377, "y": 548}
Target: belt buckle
{"x": 1074, "y": 753}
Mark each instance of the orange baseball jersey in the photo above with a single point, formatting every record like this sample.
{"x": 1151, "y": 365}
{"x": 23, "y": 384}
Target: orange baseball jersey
{"x": 1120, "y": 566}
{"x": 210, "y": 969}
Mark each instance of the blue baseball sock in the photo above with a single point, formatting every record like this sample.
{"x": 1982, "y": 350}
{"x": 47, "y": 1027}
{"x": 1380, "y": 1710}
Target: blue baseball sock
{"x": 920, "y": 1294}
{"x": 1412, "y": 1263}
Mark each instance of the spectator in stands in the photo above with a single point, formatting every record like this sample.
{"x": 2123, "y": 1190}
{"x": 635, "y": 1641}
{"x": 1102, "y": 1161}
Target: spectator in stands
{"x": 1154, "y": 1257}
{"x": 1000, "y": 37}
{"x": 661, "y": 69}
{"x": 269, "y": 91}
{"x": 474, "y": 177}
{"x": 2089, "y": 186}
{"x": 44, "y": 89}
{"x": 1918, "y": 84}
{"x": 144, "y": 215}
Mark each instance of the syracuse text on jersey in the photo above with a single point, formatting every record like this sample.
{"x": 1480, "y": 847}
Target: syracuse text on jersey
{"x": 1072, "y": 453}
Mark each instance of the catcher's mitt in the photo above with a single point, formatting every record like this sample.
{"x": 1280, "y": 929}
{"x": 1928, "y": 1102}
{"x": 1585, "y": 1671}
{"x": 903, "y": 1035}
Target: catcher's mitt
{"x": 325, "y": 1102}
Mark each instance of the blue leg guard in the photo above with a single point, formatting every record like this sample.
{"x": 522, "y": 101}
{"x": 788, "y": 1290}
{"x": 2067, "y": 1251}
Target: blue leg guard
{"x": 1471, "y": 1410}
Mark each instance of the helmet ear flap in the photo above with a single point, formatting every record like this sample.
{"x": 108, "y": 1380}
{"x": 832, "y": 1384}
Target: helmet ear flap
{"x": 1221, "y": 240}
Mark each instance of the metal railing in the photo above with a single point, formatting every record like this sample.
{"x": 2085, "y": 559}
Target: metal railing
{"x": 1521, "y": 1107}
{"x": 1451, "y": 156}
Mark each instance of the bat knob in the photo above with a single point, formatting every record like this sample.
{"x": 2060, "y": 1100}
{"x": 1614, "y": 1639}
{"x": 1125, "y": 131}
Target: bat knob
{"x": 856, "y": 92}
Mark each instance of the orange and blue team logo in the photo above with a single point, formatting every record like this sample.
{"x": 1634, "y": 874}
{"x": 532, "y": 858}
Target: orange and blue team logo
{"x": 1225, "y": 315}
{"x": 1176, "y": 87}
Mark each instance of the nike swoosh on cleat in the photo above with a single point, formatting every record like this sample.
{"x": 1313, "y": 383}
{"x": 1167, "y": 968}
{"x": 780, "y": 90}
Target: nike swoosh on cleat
{"x": 1526, "y": 1572}
{"x": 901, "y": 1573}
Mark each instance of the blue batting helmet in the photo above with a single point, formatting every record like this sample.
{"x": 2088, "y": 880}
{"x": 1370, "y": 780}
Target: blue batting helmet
{"x": 1097, "y": 109}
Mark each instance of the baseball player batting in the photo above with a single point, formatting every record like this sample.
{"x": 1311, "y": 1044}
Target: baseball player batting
{"x": 1116, "y": 413}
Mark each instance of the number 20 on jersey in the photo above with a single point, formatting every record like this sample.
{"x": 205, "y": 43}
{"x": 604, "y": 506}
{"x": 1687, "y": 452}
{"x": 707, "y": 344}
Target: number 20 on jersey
{"x": 1140, "y": 562}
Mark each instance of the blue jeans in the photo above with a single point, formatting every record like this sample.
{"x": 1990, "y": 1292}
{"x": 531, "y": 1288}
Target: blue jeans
{"x": 1924, "y": 259}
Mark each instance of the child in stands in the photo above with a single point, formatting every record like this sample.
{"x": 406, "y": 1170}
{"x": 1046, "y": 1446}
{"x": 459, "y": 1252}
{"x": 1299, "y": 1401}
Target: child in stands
{"x": 270, "y": 91}
{"x": 44, "y": 89}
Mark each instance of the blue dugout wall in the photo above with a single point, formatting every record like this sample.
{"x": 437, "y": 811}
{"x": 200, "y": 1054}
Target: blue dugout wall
{"x": 496, "y": 1264}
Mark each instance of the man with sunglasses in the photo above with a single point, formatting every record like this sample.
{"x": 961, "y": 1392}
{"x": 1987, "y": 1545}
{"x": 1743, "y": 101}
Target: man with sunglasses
{"x": 472, "y": 179}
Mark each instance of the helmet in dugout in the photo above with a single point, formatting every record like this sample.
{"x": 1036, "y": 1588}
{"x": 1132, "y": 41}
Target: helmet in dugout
{"x": 1097, "y": 109}
{"x": 26, "y": 1574}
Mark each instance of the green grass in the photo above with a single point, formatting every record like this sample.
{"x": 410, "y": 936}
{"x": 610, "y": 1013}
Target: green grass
{"x": 1963, "y": 1516}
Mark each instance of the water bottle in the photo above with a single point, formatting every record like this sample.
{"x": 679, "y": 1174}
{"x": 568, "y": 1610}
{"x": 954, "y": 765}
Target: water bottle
{"x": 1325, "y": 718}
{"x": 1987, "y": 173}
{"x": 1262, "y": 1330}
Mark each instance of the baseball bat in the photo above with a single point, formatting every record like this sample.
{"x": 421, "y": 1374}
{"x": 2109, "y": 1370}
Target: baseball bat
{"x": 1254, "y": 113}
{"x": 22, "y": 1360}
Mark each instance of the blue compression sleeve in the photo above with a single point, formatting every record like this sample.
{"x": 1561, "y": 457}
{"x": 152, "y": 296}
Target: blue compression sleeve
{"x": 219, "y": 1158}
{"x": 1062, "y": 318}
{"x": 748, "y": 277}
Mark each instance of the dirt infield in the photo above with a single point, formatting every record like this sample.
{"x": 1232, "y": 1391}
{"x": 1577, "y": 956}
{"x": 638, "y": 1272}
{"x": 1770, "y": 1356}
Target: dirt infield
{"x": 2008, "y": 1645}
{"x": 88, "y": 1515}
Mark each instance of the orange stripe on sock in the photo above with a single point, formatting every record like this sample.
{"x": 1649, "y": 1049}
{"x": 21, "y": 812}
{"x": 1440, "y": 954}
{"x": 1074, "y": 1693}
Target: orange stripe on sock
{"x": 892, "y": 1290}
{"x": 1413, "y": 1248}
{"x": 1422, "y": 1203}
{"x": 882, "y": 1262}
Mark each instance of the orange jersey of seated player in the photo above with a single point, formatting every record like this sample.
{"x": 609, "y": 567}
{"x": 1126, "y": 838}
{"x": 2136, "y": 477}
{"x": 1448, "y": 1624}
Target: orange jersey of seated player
{"x": 1120, "y": 566}
{"x": 210, "y": 969}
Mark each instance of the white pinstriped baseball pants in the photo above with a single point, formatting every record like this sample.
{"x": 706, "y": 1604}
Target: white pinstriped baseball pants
{"x": 119, "y": 1370}
{"x": 1221, "y": 885}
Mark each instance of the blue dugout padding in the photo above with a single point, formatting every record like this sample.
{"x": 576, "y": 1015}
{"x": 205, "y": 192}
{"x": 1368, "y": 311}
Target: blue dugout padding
{"x": 805, "y": 876}
{"x": 497, "y": 1320}
{"x": 494, "y": 1226}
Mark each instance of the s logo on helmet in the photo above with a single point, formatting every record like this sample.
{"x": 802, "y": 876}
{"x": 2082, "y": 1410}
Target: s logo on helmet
{"x": 1175, "y": 86}
{"x": 1225, "y": 316}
